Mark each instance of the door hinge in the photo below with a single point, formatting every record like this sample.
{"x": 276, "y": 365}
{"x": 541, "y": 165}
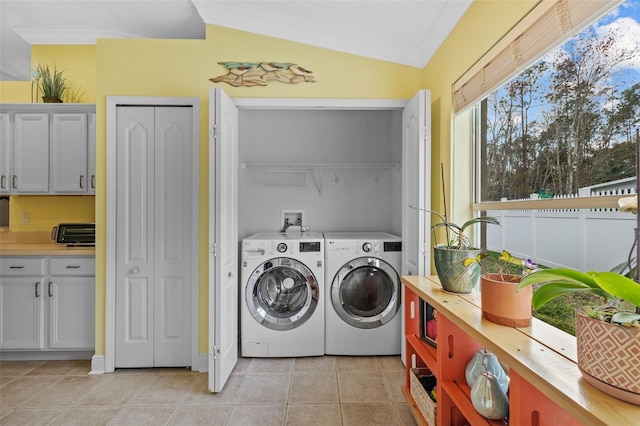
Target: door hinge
{"x": 214, "y": 249}
{"x": 215, "y": 352}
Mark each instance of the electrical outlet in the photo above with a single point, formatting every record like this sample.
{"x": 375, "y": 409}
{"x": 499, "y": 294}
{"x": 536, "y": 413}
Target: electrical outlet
{"x": 26, "y": 218}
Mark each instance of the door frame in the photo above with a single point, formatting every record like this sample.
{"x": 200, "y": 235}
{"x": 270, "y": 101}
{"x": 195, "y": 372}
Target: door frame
{"x": 113, "y": 102}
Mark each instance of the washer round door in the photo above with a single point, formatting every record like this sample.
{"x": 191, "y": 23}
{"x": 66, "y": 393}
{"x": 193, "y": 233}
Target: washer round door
{"x": 365, "y": 292}
{"x": 282, "y": 293}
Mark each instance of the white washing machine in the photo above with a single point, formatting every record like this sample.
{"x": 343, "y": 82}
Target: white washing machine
{"x": 363, "y": 293}
{"x": 282, "y": 295}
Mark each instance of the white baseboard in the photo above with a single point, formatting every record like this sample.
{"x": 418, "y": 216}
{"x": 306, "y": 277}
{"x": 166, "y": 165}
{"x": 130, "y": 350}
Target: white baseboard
{"x": 203, "y": 362}
{"x": 40, "y": 355}
{"x": 97, "y": 365}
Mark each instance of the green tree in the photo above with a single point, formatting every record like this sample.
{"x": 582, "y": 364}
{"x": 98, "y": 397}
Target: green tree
{"x": 582, "y": 120}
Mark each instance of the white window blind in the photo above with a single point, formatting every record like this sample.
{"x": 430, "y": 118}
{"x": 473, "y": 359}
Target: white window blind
{"x": 548, "y": 25}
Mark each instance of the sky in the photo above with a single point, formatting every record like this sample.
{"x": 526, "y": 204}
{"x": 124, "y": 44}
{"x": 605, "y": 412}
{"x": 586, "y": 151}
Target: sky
{"x": 625, "y": 19}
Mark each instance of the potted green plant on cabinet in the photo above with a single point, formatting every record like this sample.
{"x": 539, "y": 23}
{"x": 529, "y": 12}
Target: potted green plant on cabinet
{"x": 53, "y": 83}
{"x": 501, "y": 301}
{"x": 449, "y": 257}
{"x": 607, "y": 337}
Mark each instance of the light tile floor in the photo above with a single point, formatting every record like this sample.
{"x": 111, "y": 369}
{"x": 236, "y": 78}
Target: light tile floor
{"x": 327, "y": 390}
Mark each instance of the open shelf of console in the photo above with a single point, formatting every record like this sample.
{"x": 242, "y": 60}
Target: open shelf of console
{"x": 546, "y": 386}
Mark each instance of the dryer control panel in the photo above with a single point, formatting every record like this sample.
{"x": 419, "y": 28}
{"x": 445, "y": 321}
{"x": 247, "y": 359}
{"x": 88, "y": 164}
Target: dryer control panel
{"x": 310, "y": 247}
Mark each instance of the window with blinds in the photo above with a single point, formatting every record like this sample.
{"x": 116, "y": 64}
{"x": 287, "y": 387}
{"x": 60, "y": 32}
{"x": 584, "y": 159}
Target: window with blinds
{"x": 568, "y": 120}
{"x": 548, "y": 25}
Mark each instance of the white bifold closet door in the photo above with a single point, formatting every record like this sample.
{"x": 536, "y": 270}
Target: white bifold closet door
{"x": 153, "y": 237}
{"x": 223, "y": 238}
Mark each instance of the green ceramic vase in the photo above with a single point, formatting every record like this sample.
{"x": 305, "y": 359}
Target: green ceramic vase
{"x": 454, "y": 276}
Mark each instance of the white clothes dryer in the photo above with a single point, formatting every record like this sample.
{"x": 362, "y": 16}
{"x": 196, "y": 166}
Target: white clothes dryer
{"x": 282, "y": 299}
{"x": 363, "y": 293}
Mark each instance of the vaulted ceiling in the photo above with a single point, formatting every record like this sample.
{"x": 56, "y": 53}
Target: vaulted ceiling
{"x": 402, "y": 31}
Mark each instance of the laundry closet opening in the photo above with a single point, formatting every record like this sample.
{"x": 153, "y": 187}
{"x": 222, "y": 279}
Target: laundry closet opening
{"x": 341, "y": 167}
{"x": 350, "y": 165}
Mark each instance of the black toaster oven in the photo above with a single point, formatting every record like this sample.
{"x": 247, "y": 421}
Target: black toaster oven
{"x": 74, "y": 234}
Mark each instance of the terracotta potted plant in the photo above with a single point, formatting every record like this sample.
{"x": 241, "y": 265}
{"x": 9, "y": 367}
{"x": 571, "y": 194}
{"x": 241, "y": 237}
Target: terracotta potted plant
{"x": 608, "y": 338}
{"x": 608, "y": 335}
{"x": 502, "y": 303}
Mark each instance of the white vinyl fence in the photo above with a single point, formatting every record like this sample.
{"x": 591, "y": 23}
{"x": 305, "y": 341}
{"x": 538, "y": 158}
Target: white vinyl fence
{"x": 583, "y": 239}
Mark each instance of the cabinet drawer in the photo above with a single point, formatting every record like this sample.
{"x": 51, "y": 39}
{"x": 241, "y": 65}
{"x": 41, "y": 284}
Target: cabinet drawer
{"x": 22, "y": 266}
{"x": 85, "y": 266}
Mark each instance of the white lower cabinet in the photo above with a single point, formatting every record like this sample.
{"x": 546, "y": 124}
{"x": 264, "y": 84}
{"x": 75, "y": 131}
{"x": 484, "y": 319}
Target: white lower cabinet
{"x": 71, "y": 301}
{"x": 47, "y": 303}
{"x": 22, "y": 313}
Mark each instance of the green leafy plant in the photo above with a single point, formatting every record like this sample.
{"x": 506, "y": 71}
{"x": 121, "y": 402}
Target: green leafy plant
{"x": 53, "y": 83}
{"x": 611, "y": 286}
{"x": 456, "y": 238}
{"x": 503, "y": 263}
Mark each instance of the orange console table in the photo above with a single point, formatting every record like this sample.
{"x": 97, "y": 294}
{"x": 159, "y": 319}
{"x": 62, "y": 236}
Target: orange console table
{"x": 546, "y": 387}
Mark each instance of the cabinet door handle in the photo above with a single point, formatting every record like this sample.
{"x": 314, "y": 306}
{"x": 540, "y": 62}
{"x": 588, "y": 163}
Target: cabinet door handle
{"x": 81, "y": 181}
{"x": 93, "y": 181}
{"x": 3, "y": 178}
{"x": 49, "y": 289}
{"x": 16, "y": 267}
{"x": 14, "y": 184}
{"x": 73, "y": 266}
{"x": 38, "y": 289}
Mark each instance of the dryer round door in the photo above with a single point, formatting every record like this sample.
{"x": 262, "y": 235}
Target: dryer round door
{"x": 365, "y": 292}
{"x": 282, "y": 293}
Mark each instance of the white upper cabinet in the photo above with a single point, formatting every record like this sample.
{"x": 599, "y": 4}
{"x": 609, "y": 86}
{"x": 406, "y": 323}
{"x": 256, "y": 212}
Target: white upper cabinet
{"x": 47, "y": 148}
{"x": 69, "y": 156}
{"x": 91, "y": 162}
{"x": 30, "y": 150}
{"x": 5, "y": 154}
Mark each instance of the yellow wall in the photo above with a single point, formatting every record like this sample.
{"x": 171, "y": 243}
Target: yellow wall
{"x": 47, "y": 211}
{"x": 183, "y": 68}
{"x": 78, "y": 63}
{"x": 482, "y": 26}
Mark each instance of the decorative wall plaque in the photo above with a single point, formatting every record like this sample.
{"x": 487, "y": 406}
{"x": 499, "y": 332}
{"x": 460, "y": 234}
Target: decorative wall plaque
{"x": 250, "y": 74}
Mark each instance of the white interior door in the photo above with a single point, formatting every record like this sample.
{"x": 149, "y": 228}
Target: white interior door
{"x": 153, "y": 236}
{"x": 416, "y": 184}
{"x": 223, "y": 238}
{"x": 173, "y": 223}
{"x": 416, "y": 188}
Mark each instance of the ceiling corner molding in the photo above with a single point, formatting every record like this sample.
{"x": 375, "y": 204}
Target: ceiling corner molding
{"x": 80, "y": 37}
